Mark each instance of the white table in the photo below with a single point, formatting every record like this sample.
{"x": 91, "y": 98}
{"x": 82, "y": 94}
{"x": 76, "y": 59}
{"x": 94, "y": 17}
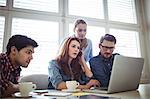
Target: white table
{"x": 143, "y": 92}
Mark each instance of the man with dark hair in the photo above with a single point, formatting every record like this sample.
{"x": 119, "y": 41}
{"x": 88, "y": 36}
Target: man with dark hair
{"x": 101, "y": 65}
{"x": 19, "y": 53}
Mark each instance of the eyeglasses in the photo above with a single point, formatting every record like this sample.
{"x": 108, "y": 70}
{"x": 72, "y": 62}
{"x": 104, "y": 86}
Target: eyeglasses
{"x": 80, "y": 30}
{"x": 106, "y": 47}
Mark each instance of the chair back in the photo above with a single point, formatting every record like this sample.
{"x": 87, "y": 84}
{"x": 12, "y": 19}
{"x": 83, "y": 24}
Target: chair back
{"x": 41, "y": 80}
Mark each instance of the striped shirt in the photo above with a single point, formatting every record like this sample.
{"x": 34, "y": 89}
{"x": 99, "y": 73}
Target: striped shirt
{"x": 8, "y": 72}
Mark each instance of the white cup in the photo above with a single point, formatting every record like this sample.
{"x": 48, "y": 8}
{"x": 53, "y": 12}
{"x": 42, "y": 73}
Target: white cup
{"x": 26, "y": 87}
{"x": 72, "y": 85}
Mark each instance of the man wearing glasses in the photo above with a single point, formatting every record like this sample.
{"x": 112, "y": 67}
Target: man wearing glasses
{"x": 101, "y": 65}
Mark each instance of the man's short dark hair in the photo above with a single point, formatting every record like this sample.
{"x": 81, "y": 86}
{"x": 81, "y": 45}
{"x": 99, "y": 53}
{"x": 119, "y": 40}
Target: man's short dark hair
{"x": 20, "y": 41}
{"x": 108, "y": 37}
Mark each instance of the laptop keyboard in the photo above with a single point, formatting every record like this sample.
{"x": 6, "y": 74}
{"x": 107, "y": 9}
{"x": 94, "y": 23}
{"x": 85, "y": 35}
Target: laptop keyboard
{"x": 102, "y": 88}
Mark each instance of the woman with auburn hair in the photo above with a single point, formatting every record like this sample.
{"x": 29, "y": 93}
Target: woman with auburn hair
{"x": 70, "y": 65}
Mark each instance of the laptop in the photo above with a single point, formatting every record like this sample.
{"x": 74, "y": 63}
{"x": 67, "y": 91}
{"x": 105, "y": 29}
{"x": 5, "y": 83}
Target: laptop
{"x": 125, "y": 75}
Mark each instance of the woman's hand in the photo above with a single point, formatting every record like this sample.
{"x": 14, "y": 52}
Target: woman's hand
{"x": 85, "y": 67}
{"x": 61, "y": 85}
{"x": 81, "y": 60}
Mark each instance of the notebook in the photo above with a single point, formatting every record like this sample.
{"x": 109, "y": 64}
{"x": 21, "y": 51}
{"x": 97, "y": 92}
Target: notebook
{"x": 125, "y": 76}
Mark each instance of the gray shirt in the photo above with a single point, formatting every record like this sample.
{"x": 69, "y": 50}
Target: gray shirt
{"x": 88, "y": 51}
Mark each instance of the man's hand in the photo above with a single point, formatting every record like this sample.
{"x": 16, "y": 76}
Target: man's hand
{"x": 12, "y": 88}
{"x": 83, "y": 87}
{"x": 94, "y": 83}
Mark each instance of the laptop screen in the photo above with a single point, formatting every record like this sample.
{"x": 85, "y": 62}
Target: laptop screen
{"x": 126, "y": 73}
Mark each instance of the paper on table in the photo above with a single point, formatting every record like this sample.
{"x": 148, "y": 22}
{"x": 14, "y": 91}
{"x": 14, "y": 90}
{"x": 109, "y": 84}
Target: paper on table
{"x": 57, "y": 93}
{"x": 40, "y": 91}
{"x": 71, "y": 91}
{"x": 80, "y": 94}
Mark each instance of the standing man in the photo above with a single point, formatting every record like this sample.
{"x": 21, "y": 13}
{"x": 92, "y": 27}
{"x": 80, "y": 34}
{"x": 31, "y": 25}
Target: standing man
{"x": 101, "y": 65}
{"x": 19, "y": 53}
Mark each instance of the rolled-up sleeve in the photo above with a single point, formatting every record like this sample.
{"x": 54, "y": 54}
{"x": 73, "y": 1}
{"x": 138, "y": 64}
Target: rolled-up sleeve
{"x": 54, "y": 75}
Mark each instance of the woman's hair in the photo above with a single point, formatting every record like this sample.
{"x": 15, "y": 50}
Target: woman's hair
{"x": 63, "y": 58}
{"x": 79, "y": 21}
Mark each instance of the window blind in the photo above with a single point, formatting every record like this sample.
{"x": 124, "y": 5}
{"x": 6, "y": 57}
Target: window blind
{"x": 2, "y": 22}
{"x": 2, "y": 2}
{"x": 86, "y": 8}
{"x": 127, "y": 42}
{"x": 39, "y": 5}
{"x": 46, "y": 37}
{"x": 122, "y": 11}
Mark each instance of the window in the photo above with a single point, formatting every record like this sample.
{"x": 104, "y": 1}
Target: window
{"x": 39, "y": 5}
{"x": 46, "y": 37}
{"x": 2, "y": 2}
{"x": 94, "y": 33}
{"x": 49, "y": 21}
{"x": 127, "y": 42}
{"x": 2, "y": 22}
{"x": 86, "y": 8}
{"x": 122, "y": 11}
